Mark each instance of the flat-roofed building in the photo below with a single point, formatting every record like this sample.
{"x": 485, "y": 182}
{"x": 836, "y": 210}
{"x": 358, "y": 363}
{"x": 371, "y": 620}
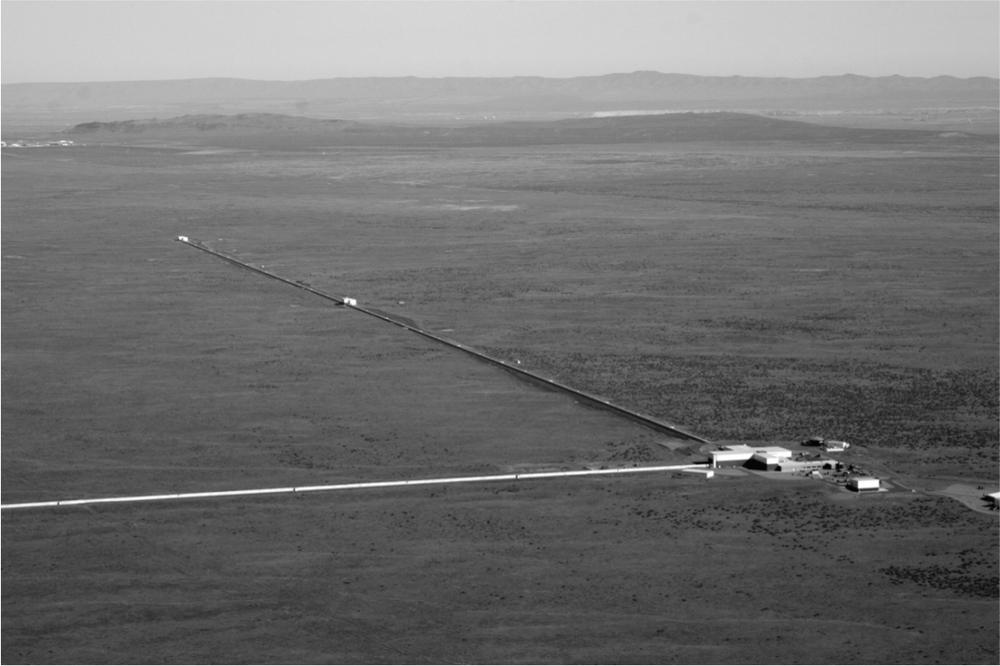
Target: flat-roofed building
{"x": 835, "y": 445}
{"x": 863, "y": 483}
{"x": 729, "y": 456}
{"x": 764, "y": 460}
{"x": 806, "y": 465}
{"x": 699, "y": 471}
{"x": 740, "y": 454}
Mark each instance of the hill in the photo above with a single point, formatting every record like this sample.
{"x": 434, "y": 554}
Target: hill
{"x": 423, "y": 100}
{"x": 275, "y": 131}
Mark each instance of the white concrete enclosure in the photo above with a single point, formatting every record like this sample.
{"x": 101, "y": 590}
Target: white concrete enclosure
{"x": 863, "y": 483}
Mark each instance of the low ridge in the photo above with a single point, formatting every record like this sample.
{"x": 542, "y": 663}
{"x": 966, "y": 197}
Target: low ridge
{"x": 298, "y": 132}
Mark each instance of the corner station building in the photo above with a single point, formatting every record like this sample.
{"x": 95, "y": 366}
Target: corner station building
{"x": 739, "y": 454}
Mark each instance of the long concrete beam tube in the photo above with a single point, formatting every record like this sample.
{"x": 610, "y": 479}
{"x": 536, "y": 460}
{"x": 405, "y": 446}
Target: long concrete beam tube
{"x": 365, "y": 485}
{"x": 644, "y": 419}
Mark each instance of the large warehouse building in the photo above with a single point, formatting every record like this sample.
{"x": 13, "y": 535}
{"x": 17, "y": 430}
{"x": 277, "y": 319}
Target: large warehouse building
{"x": 736, "y": 455}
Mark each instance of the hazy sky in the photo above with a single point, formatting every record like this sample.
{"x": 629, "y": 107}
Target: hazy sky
{"x": 79, "y": 40}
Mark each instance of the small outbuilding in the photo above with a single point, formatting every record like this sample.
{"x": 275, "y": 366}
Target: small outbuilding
{"x": 835, "y": 445}
{"x": 700, "y": 471}
{"x": 863, "y": 484}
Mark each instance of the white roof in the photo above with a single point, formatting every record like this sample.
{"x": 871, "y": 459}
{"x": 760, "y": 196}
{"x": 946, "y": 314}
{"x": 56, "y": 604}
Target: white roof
{"x": 768, "y": 455}
{"x": 758, "y": 449}
{"x": 743, "y": 449}
{"x": 734, "y": 455}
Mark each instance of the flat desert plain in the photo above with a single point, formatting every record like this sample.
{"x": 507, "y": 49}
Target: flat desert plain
{"x": 757, "y": 291}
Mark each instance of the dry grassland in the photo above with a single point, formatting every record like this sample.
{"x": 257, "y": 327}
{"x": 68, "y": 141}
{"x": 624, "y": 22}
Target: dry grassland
{"x": 748, "y": 291}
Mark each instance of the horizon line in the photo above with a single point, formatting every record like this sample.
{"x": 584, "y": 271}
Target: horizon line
{"x": 512, "y": 76}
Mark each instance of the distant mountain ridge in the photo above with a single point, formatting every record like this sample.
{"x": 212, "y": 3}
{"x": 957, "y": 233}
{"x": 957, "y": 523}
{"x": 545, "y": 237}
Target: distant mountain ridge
{"x": 423, "y": 99}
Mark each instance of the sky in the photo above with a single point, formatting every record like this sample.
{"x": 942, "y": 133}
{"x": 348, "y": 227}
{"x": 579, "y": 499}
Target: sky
{"x": 127, "y": 40}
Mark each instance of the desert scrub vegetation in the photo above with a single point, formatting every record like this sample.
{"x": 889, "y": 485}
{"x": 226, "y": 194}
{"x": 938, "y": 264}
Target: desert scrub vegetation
{"x": 958, "y": 580}
{"x": 809, "y": 515}
{"x": 806, "y": 522}
{"x": 638, "y": 452}
{"x": 782, "y": 398}
{"x": 451, "y": 283}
